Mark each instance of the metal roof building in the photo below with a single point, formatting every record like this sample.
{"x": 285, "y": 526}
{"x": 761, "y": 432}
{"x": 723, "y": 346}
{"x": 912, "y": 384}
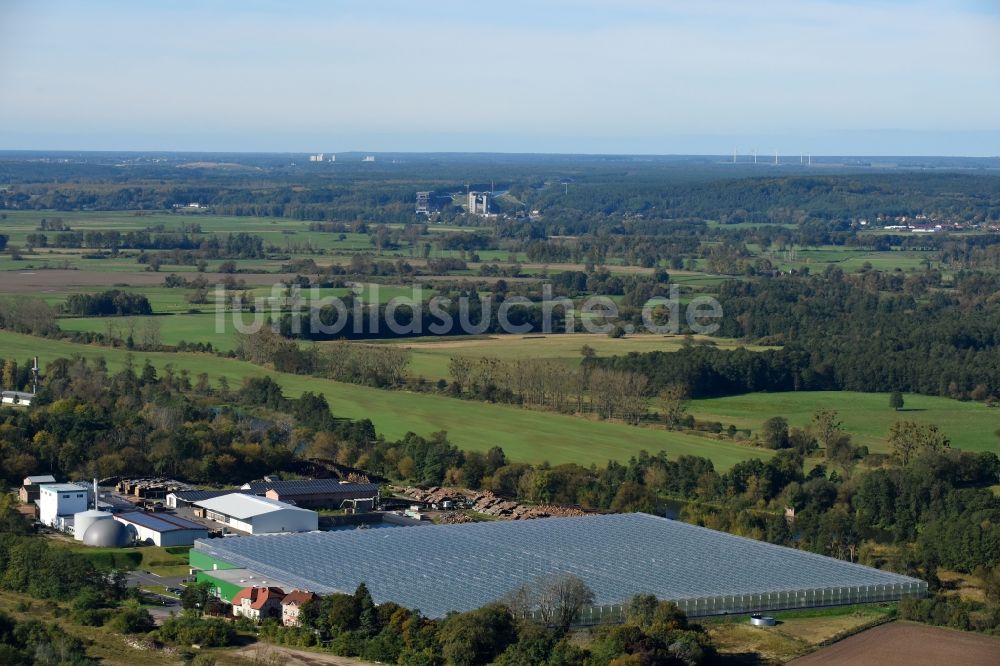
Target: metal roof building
{"x": 162, "y": 529}
{"x": 189, "y": 497}
{"x": 460, "y": 567}
{"x": 317, "y": 493}
{"x": 29, "y": 487}
{"x": 258, "y": 515}
{"x": 38, "y": 479}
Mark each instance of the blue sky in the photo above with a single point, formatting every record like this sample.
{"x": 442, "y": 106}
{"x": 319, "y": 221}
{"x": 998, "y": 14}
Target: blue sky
{"x": 628, "y": 76}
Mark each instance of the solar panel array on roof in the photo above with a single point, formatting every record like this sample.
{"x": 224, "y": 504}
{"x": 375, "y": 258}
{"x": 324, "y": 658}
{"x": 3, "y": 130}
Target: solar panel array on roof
{"x": 460, "y": 567}
{"x": 311, "y": 486}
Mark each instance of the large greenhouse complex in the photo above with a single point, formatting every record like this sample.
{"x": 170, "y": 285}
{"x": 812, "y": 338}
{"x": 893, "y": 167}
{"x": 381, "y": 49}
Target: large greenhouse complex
{"x": 461, "y": 567}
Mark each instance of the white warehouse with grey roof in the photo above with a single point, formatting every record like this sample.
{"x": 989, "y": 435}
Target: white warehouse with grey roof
{"x": 258, "y": 515}
{"x": 461, "y": 567}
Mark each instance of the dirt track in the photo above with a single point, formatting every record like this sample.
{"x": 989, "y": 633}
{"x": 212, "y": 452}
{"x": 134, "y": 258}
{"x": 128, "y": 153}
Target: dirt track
{"x": 274, "y": 655}
{"x": 906, "y": 644}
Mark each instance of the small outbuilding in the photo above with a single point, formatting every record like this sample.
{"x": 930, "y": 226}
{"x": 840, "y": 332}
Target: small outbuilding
{"x": 16, "y": 398}
{"x": 29, "y": 487}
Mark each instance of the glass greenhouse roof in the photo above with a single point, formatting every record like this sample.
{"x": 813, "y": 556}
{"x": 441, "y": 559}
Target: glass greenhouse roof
{"x": 442, "y": 568}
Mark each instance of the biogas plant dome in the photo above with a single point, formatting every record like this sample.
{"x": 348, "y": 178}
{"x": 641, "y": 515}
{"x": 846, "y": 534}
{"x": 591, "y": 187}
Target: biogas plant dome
{"x": 107, "y": 534}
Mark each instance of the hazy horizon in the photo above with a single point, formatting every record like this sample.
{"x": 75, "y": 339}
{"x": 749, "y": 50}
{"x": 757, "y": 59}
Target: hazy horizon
{"x": 745, "y": 159}
{"x": 637, "y": 77}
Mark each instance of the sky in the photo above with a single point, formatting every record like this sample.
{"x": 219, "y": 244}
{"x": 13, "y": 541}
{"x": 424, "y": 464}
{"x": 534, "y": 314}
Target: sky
{"x": 826, "y": 77}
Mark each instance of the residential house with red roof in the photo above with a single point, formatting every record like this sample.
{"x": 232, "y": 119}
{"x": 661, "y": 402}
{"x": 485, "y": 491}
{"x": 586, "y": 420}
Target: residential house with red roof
{"x": 258, "y": 603}
{"x": 292, "y": 604}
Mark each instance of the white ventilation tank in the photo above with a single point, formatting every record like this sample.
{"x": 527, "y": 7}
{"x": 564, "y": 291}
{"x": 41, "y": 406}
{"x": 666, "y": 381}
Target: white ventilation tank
{"x": 84, "y": 519}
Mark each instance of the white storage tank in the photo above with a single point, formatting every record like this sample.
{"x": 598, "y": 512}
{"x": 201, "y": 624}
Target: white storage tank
{"x": 84, "y": 519}
{"x": 758, "y": 620}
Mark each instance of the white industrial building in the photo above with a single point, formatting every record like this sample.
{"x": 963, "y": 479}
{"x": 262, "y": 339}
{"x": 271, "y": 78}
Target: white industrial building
{"x": 479, "y": 203}
{"x": 258, "y": 515}
{"x": 161, "y": 529}
{"x": 58, "y": 502}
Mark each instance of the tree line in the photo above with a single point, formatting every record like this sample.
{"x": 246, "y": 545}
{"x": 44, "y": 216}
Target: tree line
{"x": 113, "y": 302}
{"x": 499, "y": 633}
{"x": 552, "y": 384}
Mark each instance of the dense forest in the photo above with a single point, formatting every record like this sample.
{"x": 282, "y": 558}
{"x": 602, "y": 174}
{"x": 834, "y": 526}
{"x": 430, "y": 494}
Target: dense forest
{"x": 875, "y": 331}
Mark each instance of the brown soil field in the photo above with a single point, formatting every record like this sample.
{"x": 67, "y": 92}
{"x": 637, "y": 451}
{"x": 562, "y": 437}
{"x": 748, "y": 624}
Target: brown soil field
{"x": 33, "y": 281}
{"x": 906, "y": 644}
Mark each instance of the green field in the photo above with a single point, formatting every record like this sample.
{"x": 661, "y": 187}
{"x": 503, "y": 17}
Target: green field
{"x": 432, "y": 356}
{"x": 534, "y": 436}
{"x": 867, "y": 416}
{"x": 174, "y": 328}
{"x": 525, "y": 435}
{"x": 849, "y": 259}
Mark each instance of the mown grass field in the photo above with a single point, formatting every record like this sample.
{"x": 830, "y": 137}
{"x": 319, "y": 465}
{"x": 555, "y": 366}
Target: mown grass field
{"x": 867, "y": 416}
{"x": 174, "y": 328}
{"x": 525, "y": 435}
